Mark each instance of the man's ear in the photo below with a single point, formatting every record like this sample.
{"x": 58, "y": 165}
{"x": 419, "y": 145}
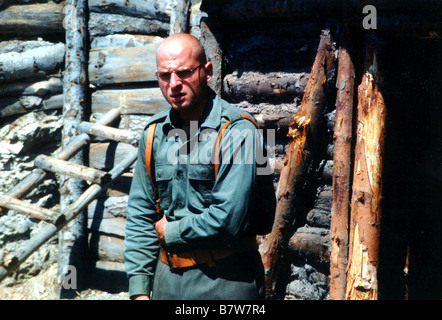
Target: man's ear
{"x": 208, "y": 68}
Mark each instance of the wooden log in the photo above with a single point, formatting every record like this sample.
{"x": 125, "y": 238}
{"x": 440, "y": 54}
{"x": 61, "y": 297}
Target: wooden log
{"x": 257, "y": 87}
{"x": 120, "y": 65}
{"x": 311, "y": 243}
{"x": 154, "y": 9}
{"x": 114, "y": 227}
{"x": 32, "y": 20}
{"x": 130, "y": 101}
{"x": 111, "y": 205}
{"x": 366, "y": 211}
{"x": 40, "y": 88}
{"x": 303, "y": 129}
{"x": 179, "y": 16}
{"x": 342, "y": 172}
{"x": 71, "y": 169}
{"x": 214, "y": 54}
{"x": 37, "y": 62}
{"x": 71, "y": 213}
{"x": 122, "y": 41}
{"x": 102, "y": 24}
{"x": 106, "y": 248}
{"x": 25, "y": 104}
{"x": 27, "y": 208}
{"x": 104, "y": 155}
{"x": 110, "y": 133}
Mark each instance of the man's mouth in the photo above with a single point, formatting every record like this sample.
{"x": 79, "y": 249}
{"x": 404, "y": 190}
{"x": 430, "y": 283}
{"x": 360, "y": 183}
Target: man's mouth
{"x": 177, "y": 97}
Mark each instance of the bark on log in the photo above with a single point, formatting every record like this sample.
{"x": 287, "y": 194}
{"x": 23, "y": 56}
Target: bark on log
{"x": 102, "y": 24}
{"x": 367, "y": 183}
{"x": 25, "y": 104}
{"x": 106, "y": 248}
{"x": 104, "y": 155}
{"x": 303, "y": 129}
{"x": 214, "y": 54}
{"x": 258, "y": 87}
{"x": 40, "y": 88}
{"x": 32, "y": 20}
{"x": 120, "y": 65}
{"x": 34, "y": 63}
{"x": 313, "y": 243}
{"x": 342, "y": 172}
{"x": 130, "y": 101}
{"x": 153, "y": 9}
{"x": 72, "y": 240}
{"x": 179, "y": 16}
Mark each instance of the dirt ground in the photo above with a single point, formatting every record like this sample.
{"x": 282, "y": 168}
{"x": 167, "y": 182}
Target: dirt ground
{"x": 43, "y": 287}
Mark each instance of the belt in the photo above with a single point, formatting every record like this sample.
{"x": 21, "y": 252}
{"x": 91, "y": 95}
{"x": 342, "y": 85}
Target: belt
{"x": 206, "y": 256}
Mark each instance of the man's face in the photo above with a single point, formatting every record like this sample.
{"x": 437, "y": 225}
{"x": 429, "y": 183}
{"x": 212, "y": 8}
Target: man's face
{"x": 182, "y": 78}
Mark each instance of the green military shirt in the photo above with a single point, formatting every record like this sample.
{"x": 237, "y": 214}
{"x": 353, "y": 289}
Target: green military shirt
{"x": 201, "y": 212}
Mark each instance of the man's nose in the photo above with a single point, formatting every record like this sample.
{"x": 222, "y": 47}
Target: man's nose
{"x": 174, "y": 80}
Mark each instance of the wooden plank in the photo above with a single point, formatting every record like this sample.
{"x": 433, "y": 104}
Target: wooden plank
{"x": 52, "y": 85}
{"x": 130, "y": 101}
{"x": 123, "y": 65}
{"x": 71, "y": 169}
{"x": 104, "y": 155}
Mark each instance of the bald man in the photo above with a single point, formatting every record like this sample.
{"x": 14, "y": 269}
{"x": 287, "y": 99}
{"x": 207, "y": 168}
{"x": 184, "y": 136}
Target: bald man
{"x": 191, "y": 229}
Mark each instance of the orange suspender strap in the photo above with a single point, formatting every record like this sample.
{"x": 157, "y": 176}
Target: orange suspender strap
{"x": 218, "y": 141}
{"x": 149, "y": 145}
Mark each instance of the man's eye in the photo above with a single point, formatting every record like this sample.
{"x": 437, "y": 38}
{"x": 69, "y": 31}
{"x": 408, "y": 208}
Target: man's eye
{"x": 183, "y": 74}
{"x": 164, "y": 75}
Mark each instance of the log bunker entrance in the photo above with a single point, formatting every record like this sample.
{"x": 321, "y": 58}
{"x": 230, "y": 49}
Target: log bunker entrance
{"x": 356, "y": 115}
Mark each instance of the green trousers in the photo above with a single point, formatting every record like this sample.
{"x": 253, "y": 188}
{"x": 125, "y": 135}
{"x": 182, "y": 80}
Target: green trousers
{"x": 238, "y": 277}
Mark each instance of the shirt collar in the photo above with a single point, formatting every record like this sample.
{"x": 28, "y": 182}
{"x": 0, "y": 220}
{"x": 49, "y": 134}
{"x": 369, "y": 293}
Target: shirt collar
{"x": 211, "y": 117}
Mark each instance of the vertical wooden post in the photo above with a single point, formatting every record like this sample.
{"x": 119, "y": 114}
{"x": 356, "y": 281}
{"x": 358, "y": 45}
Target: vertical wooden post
{"x": 302, "y": 134}
{"x": 179, "y": 17}
{"x": 365, "y": 221}
{"x": 72, "y": 238}
{"x": 341, "y": 172}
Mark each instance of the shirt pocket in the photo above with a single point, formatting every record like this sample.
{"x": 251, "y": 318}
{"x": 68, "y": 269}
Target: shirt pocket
{"x": 164, "y": 175}
{"x": 201, "y": 180}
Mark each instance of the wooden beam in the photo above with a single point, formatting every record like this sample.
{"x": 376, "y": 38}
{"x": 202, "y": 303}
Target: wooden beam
{"x": 179, "y": 16}
{"x": 366, "y": 211}
{"x": 342, "y": 156}
{"x": 303, "y": 130}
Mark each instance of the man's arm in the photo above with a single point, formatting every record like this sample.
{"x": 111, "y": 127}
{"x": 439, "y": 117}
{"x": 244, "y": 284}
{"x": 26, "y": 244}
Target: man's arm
{"x": 226, "y": 218}
{"x": 141, "y": 242}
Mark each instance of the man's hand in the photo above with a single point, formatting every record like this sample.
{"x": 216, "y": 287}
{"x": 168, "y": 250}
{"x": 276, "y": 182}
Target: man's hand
{"x": 160, "y": 227}
{"x": 142, "y": 297}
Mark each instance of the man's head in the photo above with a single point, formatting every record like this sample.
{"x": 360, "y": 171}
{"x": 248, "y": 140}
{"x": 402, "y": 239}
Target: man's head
{"x": 183, "y": 73}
